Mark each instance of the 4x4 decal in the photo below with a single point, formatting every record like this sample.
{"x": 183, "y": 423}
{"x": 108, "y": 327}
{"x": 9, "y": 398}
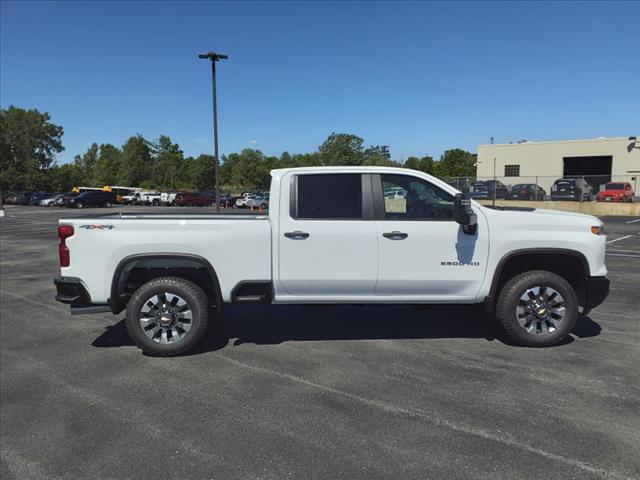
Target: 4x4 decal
{"x": 97, "y": 227}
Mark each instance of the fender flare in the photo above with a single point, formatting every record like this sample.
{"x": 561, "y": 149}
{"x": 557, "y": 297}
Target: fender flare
{"x": 490, "y": 299}
{"x": 116, "y": 284}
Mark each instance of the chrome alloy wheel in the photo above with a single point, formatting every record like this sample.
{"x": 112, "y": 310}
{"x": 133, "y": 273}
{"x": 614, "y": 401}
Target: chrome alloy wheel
{"x": 540, "y": 310}
{"x": 165, "y": 318}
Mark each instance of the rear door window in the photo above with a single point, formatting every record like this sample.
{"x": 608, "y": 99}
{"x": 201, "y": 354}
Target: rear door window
{"x": 328, "y": 196}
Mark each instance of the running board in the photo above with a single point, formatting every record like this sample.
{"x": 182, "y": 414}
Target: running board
{"x": 86, "y": 309}
{"x": 250, "y": 299}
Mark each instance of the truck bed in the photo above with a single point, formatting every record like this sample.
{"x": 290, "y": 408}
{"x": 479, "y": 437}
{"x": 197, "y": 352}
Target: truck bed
{"x": 237, "y": 246}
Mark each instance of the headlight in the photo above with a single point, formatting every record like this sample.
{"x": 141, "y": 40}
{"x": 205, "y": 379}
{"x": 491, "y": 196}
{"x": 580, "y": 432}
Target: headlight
{"x": 598, "y": 230}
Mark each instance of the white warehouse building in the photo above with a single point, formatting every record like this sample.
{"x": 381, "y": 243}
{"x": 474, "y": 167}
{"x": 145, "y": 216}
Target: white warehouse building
{"x": 599, "y": 160}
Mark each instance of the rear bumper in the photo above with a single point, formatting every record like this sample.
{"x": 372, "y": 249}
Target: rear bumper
{"x": 596, "y": 291}
{"x": 611, "y": 199}
{"x": 71, "y": 290}
{"x": 563, "y": 197}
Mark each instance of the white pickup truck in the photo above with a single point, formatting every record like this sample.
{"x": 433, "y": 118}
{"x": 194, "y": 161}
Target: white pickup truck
{"x": 143, "y": 198}
{"x": 331, "y": 236}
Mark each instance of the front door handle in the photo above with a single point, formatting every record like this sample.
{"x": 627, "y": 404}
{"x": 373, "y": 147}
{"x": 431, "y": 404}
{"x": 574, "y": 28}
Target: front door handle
{"x": 395, "y": 235}
{"x": 297, "y": 235}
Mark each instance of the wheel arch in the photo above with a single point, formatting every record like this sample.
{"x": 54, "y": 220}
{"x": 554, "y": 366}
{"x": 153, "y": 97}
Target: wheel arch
{"x": 572, "y": 265}
{"x": 182, "y": 265}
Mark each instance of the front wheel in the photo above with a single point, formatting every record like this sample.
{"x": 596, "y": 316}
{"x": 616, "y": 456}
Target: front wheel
{"x": 107, "y": 204}
{"x": 537, "y": 308}
{"x": 79, "y": 205}
{"x": 167, "y": 316}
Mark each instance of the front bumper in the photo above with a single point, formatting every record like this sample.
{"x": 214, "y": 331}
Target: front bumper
{"x": 596, "y": 291}
{"x": 71, "y": 290}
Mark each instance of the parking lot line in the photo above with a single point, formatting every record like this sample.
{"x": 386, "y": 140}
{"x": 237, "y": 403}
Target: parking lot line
{"x": 621, "y": 238}
{"x": 622, "y": 255}
{"x": 634, "y": 221}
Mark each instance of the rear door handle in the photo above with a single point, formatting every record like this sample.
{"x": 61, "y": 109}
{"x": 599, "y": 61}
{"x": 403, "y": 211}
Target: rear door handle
{"x": 395, "y": 235}
{"x": 297, "y": 235}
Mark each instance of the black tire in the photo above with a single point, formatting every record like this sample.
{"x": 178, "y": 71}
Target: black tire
{"x": 107, "y": 204}
{"x": 196, "y": 301}
{"x": 79, "y": 205}
{"x": 263, "y": 206}
{"x": 155, "y": 203}
{"x": 509, "y": 299}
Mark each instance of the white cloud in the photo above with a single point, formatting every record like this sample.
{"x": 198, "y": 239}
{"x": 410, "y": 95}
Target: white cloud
{"x": 253, "y": 142}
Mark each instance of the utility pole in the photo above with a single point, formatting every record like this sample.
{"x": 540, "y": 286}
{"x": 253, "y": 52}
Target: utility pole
{"x": 495, "y": 181}
{"x": 214, "y": 57}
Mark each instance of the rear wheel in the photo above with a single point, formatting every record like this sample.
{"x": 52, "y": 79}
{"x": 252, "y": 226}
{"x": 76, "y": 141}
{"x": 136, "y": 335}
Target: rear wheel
{"x": 537, "y": 308}
{"x": 107, "y": 204}
{"x": 167, "y": 316}
{"x": 79, "y": 205}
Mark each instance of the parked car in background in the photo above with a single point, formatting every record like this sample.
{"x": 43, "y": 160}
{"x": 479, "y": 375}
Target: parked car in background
{"x": 488, "y": 189}
{"x": 396, "y": 193}
{"x": 576, "y": 189}
{"x": 35, "y": 198}
{"x": 92, "y": 199}
{"x": 168, "y": 198}
{"x": 50, "y": 201}
{"x": 143, "y": 198}
{"x": 228, "y": 201}
{"x": 526, "y": 191}
{"x": 188, "y": 199}
{"x": 252, "y": 200}
{"x": 64, "y": 199}
{"x": 257, "y": 201}
{"x": 9, "y": 198}
{"x": 23, "y": 198}
{"x": 616, "y": 192}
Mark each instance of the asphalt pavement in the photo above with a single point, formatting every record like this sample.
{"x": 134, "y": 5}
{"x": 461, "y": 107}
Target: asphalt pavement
{"x": 339, "y": 392}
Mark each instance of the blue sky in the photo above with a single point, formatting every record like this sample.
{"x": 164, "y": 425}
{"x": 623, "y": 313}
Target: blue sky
{"x": 419, "y": 77}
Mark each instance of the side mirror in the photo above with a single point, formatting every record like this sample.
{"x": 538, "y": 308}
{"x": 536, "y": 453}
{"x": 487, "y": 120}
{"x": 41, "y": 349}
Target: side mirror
{"x": 463, "y": 213}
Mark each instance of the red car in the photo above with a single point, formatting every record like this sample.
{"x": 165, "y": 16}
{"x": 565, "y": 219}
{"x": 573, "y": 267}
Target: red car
{"x": 186, "y": 199}
{"x": 616, "y": 192}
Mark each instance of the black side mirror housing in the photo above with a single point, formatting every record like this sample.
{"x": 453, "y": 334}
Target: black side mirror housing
{"x": 463, "y": 213}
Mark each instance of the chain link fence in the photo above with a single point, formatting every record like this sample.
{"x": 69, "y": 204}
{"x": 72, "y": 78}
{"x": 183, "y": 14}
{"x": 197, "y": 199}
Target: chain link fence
{"x": 547, "y": 187}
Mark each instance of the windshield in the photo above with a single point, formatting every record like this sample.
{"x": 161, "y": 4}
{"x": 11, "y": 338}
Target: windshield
{"x": 614, "y": 186}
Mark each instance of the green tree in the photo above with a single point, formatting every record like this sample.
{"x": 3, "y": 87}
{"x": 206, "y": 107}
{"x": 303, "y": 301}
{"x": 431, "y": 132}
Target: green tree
{"x": 342, "y": 149}
{"x": 86, "y": 164}
{"x": 29, "y": 143}
{"x": 168, "y": 164}
{"x": 378, "y": 155}
{"x": 107, "y": 166}
{"x": 248, "y": 169}
{"x": 137, "y": 161}
{"x": 424, "y": 164}
{"x": 199, "y": 173}
{"x": 64, "y": 177}
{"x": 456, "y": 163}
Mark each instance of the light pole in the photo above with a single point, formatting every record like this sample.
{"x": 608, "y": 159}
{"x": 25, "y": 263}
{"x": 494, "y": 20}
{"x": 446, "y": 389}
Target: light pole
{"x": 214, "y": 57}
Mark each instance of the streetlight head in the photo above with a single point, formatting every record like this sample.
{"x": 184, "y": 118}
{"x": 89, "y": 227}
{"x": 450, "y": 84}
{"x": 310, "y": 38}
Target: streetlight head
{"x": 213, "y": 56}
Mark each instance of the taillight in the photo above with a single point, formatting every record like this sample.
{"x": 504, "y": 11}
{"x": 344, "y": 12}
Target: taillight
{"x": 64, "y": 232}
